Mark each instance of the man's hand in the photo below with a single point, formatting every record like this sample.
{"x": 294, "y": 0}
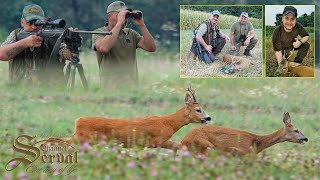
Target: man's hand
{"x": 32, "y": 41}
{"x": 297, "y": 43}
{"x": 68, "y": 54}
{"x": 122, "y": 17}
{"x": 227, "y": 38}
{"x": 138, "y": 22}
{"x": 246, "y": 42}
{"x": 208, "y": 48}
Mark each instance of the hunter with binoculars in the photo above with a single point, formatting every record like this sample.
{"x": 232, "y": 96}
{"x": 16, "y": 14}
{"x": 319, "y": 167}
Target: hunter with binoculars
{"x": 116, "y": 54}
{"x": 37, "y": 52}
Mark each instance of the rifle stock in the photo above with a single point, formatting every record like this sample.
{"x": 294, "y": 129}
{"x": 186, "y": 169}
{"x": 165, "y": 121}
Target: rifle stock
{"x": 202, "y": 54}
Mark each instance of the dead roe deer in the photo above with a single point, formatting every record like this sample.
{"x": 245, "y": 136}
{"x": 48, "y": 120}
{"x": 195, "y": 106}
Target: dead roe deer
{"x": 297, "y": 69}
{"x": 238, "y": 142}
{"x": 150, "y": 131}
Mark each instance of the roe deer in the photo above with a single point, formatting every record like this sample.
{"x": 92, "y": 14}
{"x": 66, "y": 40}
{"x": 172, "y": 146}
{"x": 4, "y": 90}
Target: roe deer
{"x": 238, "y": 142}
{"x": 150, "y": 131}
{"x": 239, "y": 63}
{"x": 297, "y": 69}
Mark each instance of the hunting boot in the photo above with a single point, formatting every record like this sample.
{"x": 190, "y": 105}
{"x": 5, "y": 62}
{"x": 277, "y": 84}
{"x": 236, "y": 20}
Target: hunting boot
{"x": 247, "y": 53}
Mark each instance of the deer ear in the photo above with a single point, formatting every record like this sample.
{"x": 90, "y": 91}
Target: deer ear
{"x": 286, "y": 118}
{"x": 188, "y": 99}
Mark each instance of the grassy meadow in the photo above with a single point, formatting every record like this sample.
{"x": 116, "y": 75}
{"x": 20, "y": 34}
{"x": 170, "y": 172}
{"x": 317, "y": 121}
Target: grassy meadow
{"x": 271, "y": 62}
{"x": 195, "y": 68}
{"x": 255, "y": 105}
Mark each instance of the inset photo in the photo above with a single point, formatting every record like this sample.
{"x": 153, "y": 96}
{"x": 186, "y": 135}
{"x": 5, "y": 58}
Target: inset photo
{"x": 221, "y": 41}
{"x": 290, "y": 40}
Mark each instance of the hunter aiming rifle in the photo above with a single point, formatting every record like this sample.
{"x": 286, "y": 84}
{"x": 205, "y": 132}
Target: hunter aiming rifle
{"x": 55, "y": 29}
{"x": 200, "y": 52}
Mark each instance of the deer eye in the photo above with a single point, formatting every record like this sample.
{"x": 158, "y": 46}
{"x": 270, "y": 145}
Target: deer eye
{"x": 296, "y": 131}
{"x": 198, "y": 110}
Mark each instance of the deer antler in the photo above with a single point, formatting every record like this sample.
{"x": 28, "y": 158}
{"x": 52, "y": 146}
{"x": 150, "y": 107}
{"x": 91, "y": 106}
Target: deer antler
{"x": 192, "y": 93}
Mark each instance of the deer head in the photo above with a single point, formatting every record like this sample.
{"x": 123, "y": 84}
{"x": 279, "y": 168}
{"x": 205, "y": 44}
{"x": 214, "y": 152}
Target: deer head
{"x": 292, "y": 134}
{"x": 283, "y": 67}
{"x": 195, "y": 111}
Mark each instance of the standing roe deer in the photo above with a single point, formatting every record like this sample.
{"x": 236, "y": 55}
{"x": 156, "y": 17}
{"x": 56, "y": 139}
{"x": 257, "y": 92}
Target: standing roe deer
{"x": 238, "y": 142}
{"x": 150, "y": 131}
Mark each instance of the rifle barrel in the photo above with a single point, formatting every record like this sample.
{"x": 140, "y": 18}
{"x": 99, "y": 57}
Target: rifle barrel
{"x": 93, "y": 32}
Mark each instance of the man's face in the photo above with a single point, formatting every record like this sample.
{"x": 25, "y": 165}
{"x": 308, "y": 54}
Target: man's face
{"x": 243, "y": 19}
{"x": 113, "y": 18}
{"x": 29, "y": 26}
{"x": 214, "y": 18}
{"x": 289, "y": 21}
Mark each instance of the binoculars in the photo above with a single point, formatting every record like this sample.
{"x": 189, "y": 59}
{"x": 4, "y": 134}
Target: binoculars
{"x": 136, "y": 15}
{"x": 242, "y": 38}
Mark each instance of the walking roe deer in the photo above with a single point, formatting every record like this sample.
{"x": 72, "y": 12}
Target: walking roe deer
{"x": 238, "y": 142}
{"x": 150, "y": 131}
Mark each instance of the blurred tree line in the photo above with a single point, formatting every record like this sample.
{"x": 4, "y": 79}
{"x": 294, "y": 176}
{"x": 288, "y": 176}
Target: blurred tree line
{"x": 305, "y": 20}
{"x": 253, "y": 11}
{"x": 160, "y": 16}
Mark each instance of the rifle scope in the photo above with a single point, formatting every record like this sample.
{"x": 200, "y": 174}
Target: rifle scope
{"x": 59, "y": 23}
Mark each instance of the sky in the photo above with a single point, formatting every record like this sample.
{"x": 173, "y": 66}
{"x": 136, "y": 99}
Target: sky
{"x": 272, "y": 10}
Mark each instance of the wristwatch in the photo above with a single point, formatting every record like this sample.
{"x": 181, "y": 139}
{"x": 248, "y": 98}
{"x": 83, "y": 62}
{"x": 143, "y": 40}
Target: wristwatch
{"x": 300, "y": 41}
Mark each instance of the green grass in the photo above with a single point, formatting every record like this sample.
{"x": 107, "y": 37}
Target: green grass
{"x": 191, "y": 19}
{"x": 254, "y": 104}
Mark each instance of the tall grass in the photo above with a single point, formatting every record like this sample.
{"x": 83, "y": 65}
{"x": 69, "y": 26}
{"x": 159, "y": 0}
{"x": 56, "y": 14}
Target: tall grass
{"x": 190, "y": 19}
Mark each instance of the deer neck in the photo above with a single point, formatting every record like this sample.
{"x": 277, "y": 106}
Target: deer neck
{"x": 266, "y": 141}
{"x": 178, "y": 119}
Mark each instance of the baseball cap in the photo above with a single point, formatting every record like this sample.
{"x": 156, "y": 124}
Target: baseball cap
{"x": 117, "y": 6}
{"x": 33, "y": 12}
{"x": 290, "y": 9}
{"x": 215, "y": 13}
{"x": 245, "y": 14}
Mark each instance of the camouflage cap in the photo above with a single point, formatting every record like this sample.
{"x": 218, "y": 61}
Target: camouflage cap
{"x": 116, "y": 6}
{"x": 215, "y": 13}
{"x": 33, "y": 12}
{"x": 245, "y": 14}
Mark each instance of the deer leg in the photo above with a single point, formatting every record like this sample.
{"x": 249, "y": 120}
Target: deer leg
{"x": 237, "y": 151}
{"x": 171, "y": 145}
{"x": 202, "y": 146}
{"x": 155, "y": 142}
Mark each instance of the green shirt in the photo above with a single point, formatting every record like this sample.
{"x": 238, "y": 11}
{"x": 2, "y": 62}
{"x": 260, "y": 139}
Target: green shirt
{"x": 120, "y": 62}
{"x": 237, "y": 28}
